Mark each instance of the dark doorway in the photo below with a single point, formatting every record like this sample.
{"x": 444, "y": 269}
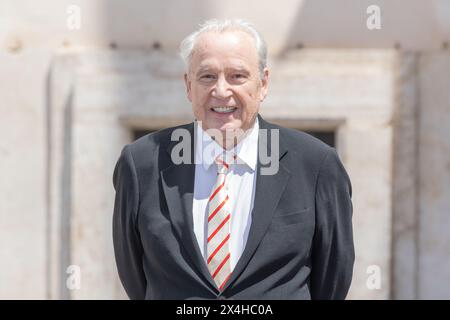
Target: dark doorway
{"x": 326, "y": 136}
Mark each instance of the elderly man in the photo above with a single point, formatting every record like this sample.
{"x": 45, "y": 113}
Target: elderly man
{"x": 216, "y": 226}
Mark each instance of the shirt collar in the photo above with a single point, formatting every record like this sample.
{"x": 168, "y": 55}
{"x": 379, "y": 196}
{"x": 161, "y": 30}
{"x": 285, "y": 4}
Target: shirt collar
{"x": 246, "y": 150}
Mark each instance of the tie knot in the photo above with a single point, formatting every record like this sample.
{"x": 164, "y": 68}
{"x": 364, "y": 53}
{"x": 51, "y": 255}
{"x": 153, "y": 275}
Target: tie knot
{"x": 222, "y": 164}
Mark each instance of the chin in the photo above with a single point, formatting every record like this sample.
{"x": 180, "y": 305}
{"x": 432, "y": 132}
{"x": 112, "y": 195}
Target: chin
{"x": 231, "y": 126}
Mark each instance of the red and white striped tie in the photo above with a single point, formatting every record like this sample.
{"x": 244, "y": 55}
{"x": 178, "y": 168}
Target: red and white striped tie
{"x": 219, "y": 216}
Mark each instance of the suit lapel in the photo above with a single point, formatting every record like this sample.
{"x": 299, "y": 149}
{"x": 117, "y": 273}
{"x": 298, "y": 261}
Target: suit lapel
{"x": 269, "y": 189}
{"x": 178, "y": 185}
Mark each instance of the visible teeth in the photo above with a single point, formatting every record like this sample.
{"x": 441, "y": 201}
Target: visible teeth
{"x": 224, "y": 109}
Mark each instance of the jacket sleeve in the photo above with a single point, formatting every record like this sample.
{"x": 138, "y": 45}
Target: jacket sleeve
{"x": 127, "y": 245}
{"x": 332, "y": 251}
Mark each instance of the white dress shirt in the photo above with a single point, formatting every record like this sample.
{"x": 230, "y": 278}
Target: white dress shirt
{"x": 240, "y": 181}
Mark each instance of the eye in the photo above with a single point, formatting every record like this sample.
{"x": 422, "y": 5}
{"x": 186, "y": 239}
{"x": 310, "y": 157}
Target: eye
{"x": 239, "y": 78}
{"x": 207, "y": 77}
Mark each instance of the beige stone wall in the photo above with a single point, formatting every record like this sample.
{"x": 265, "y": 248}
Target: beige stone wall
{"x": 405, "y": 210}
{"x": 434, "y": 176}
{"x": 23, "y": 214}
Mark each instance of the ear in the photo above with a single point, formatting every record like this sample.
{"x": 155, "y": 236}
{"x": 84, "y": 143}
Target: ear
{"x": 187, "y": 82}
{"x": 264, "y": 85}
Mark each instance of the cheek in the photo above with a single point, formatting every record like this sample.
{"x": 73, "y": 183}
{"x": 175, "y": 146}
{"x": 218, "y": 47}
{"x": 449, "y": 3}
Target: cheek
{"x": 201, "y": 94}
{"x": 253, "y": 93}
{"x": 252, "y": 99}
{"x": 200, "y": 101}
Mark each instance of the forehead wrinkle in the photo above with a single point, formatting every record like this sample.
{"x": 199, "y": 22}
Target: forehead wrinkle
{"x": 239, "y": 48}
{"x": 231, "y": 64}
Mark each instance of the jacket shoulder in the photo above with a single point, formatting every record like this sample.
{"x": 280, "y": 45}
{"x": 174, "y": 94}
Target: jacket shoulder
{"x": 148, "y": 146}
{"x": 302, "y": 142}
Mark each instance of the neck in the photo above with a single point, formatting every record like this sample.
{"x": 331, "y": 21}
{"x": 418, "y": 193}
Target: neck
{"x": 229, "y": 138}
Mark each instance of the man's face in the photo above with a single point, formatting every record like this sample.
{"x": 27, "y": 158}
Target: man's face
{"x": 223, "y": 81}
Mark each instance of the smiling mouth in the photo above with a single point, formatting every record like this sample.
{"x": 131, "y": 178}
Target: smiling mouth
{"x": 223, "y": 110}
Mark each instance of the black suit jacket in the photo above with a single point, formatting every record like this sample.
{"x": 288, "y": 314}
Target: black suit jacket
{"x": 300, "y": 244}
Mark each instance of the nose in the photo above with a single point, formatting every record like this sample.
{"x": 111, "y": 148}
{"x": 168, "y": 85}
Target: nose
{"x": 222, "y": 89}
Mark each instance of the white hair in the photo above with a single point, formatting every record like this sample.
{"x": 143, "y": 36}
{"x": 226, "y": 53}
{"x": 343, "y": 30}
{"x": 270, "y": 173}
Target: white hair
{"x": 215, "y": 25}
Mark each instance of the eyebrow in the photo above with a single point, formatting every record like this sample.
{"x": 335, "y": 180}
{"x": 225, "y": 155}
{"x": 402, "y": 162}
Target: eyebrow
{"x": 203, "y": 69}
{"x": 240, "y": 69}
